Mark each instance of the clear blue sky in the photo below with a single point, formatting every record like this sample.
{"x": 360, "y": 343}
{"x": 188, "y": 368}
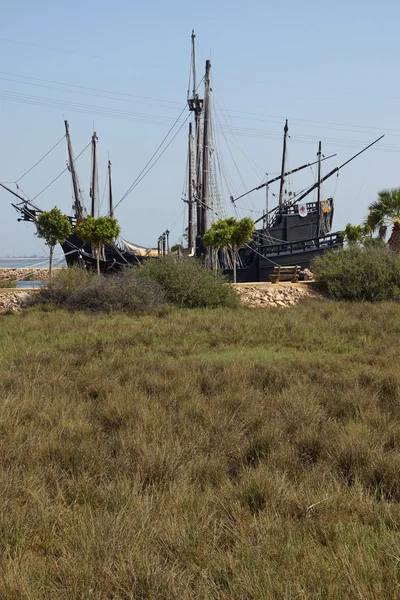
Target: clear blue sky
{"x": 331, "y": 68}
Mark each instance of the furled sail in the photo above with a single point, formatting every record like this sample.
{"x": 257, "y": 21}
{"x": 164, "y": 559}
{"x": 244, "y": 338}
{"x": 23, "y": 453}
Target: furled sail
{"x": 138, "y": 250}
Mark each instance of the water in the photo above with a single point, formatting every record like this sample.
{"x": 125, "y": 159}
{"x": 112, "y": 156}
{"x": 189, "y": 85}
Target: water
{"x": 19, "y": 263}
{"x": 30, "y": 284}
{"x": 26, "y": 263}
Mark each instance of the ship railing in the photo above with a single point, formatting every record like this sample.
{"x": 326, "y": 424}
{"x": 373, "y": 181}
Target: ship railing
{"x": 323, "y": 242}
{"x": 293, "y": 209}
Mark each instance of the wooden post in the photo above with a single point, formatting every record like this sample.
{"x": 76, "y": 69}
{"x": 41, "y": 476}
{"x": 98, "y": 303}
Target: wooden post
{"x": 51, "y": 248}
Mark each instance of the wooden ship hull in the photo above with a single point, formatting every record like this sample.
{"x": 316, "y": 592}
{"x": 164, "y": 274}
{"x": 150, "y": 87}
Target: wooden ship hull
{"x": 258, "y": 262}
{"x": 293, "y": 240}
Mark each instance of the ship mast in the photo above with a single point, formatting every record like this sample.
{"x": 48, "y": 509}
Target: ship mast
{"x": 193, "y": 63}
{"x": 196, "y": 106}
{"x": 78, "y": 208}
{"x": 267, "y": 183}
{"x": 335, "y": 170}
{"x": 319, "y": 187}
{"x": 110, "y": 196}
{"x": 285, "y": 132}
{"x": 190, "y": 198}
{"x": 93, "y": 185}
{"x": 205, "y": 174}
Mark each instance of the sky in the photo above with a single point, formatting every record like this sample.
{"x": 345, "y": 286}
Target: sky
{"x": 122, "y": 68}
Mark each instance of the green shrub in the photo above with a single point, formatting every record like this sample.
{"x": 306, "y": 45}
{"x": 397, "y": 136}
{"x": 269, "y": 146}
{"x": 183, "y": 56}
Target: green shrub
{"x": 123, "y": 292}
{"x": 78, "y": 289}
{"x": 64, "y": 284}
{"x": 187, "y": 283}
{"x": 371, "y": 273}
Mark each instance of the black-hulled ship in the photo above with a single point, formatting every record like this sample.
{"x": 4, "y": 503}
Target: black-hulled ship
{"x": 77, "y": 252}
{"x": 292, "y": 233}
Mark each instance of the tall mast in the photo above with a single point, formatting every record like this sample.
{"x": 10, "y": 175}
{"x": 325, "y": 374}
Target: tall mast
{"x": 78, "y": 209}
{"x": 285, "y": 131}
{"x": 93, "y": 185}
{"x": 193, "y": 63}
{"x": 190, "y": 198}
{"x": 196, "y": 106}
{"x": 206, "y": 124}
{"x": 110, "y": 196}
{"x": 335, "y": 170}
{"x": 319, "y": 187}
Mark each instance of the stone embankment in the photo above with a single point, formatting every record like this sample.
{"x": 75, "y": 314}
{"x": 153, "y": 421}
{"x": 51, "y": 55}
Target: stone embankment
{"x": 277, "y": 295}
{"x": 24, "y": 274}
{"x": 13, "y": 301}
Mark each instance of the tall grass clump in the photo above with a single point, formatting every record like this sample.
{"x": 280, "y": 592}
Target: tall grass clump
{"x": 187, "y": 283}
{"x": 370, "y": 273}
{"x": 211, "y": 455}
{"x": 79, "y": 289}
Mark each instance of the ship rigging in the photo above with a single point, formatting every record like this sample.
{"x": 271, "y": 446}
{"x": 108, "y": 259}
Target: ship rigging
{"x": 288, "y": 232}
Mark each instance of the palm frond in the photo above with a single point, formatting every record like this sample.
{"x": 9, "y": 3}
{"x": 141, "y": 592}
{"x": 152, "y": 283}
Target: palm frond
{"x": 384, "y": 195}
{"x": 376, "y": 214}
{"x": 385, "y": 209}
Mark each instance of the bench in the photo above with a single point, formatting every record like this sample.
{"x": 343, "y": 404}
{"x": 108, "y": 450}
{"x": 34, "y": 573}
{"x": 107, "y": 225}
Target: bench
{"x": 285, "y": 274}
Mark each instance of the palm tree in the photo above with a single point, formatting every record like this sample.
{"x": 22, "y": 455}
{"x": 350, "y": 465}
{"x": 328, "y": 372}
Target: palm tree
{"x": 385, "y": 212}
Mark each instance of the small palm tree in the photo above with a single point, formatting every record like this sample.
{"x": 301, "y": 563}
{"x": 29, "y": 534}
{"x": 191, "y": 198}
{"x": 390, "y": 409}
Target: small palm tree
{"x": 384, "y": 213}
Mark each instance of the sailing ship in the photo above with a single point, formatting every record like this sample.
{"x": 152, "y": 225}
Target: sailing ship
{"x": 292, "y": 233}
{"x": 77, "y": 252}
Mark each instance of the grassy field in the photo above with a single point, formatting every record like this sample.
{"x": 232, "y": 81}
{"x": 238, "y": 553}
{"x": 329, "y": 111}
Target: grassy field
{"x": 231, "y": 454}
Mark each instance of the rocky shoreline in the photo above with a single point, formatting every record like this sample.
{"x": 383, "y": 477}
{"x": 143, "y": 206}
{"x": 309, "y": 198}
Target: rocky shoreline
{"x": 254, "y": 295}
{"x": 24, "y": 274}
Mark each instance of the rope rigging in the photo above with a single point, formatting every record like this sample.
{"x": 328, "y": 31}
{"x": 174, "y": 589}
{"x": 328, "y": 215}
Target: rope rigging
{"x": 139, "y": 178}
{"x": 62, "y": 172}
{"x": 39, "y": 161}
{"x": 229, "y": 149}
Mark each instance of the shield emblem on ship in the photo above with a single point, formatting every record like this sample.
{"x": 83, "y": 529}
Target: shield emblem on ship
{"x": 325, "y": 206}
{"x": 303, "y": 210}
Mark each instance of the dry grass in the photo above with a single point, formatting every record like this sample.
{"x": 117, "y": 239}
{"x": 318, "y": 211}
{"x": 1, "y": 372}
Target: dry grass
{"x": 201, "y": 454}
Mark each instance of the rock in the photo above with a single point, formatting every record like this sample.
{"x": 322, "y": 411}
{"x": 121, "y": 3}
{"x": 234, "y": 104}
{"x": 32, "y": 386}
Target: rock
{"x": 13, "y": 301}
{"x": 269, "y": 295}
{"x": 25, "y": 274}
{"x": 307, "y": 275}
